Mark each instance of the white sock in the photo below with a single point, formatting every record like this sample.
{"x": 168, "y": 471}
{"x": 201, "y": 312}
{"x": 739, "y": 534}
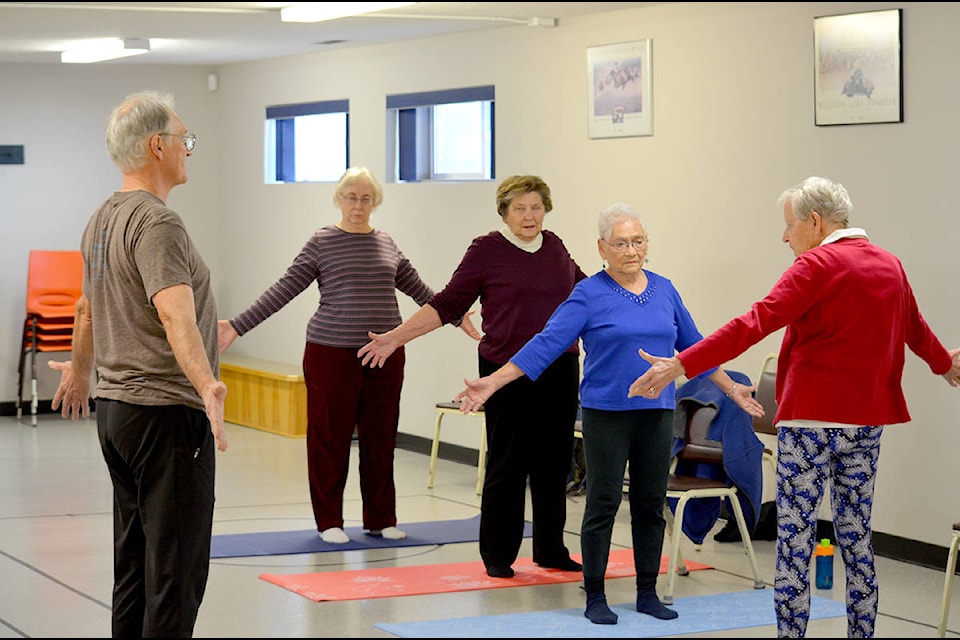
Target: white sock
{"x": 392, "y": 533}
{"x": 334, "y": 535}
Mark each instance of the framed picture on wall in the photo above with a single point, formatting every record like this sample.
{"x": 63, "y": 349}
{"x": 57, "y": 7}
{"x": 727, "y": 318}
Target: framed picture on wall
{"x": 619, "y": 90}
{"x": 859, "y": 68}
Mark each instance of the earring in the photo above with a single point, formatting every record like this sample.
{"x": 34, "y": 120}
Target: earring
{"x": 646, "y": 260}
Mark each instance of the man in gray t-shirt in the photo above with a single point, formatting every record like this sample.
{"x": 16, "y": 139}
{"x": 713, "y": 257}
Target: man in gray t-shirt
{"x": 147, "y": 320}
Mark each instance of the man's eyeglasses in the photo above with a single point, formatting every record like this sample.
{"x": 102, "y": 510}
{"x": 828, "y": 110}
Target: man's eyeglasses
{"x": 637, "y": 243}
{"x": 189, "y": 139}
{"x": 352, "y": 198}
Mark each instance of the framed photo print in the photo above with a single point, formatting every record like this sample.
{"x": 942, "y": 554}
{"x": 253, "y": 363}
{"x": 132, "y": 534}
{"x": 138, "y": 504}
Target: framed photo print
{"x": 619, "y": 90}
{"x": 859, "y": 68}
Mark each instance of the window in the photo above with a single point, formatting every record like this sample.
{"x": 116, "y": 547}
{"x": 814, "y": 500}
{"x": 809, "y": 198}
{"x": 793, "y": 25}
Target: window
{"x": 441, "y": 135}
{"x": 306, "y": 142}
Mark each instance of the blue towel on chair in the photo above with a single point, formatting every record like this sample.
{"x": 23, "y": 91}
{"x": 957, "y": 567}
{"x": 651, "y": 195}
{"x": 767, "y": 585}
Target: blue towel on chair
{"x": 742, "y": 454}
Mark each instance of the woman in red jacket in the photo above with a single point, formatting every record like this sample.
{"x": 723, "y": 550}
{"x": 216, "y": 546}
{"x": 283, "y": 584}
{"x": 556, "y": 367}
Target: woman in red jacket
{"x": 849, "y": 311}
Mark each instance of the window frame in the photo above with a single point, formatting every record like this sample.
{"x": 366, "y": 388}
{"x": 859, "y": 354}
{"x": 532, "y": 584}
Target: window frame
{"x": 280, "y": 140}
{"x": 411, "y": 137}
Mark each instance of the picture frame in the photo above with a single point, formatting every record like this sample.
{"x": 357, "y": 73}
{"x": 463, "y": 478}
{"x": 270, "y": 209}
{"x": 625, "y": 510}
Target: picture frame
{"x": 858, "y": 77}
{"x": 620, "y": 90}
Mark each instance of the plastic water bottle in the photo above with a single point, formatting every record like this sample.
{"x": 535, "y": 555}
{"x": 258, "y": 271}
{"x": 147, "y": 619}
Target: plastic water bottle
{"x": 824, "y": 558}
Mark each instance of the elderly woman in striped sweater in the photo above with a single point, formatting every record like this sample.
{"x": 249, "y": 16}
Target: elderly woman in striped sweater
{"x": 358, "y": 270}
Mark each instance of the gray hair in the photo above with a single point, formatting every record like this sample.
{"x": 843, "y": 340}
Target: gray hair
{"x": 828, "y": 198}
{"x": 613, "y": 214}
{"x": 355, "y": 174}
{"x": 131, "y": 122}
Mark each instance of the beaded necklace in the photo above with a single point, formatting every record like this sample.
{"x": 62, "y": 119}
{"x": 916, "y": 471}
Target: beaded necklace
{"x": 641, "y": 298}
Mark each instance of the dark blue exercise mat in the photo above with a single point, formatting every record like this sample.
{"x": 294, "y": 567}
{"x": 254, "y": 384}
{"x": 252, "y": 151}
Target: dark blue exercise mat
{"x": 273, "y": 543}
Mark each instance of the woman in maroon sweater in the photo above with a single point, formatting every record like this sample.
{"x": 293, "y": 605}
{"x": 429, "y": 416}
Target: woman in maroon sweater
{"x": 849, "y": 312}
{"x": 520, "y": 273}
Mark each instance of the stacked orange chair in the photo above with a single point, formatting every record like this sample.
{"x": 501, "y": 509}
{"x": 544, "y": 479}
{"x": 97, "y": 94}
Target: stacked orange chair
{"x": 54, "y": 284}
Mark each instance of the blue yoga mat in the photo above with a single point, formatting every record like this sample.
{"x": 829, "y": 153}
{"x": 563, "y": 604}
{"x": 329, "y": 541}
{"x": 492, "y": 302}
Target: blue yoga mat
{"x": 308, "y": 541}
{"x": 699, "y": 614}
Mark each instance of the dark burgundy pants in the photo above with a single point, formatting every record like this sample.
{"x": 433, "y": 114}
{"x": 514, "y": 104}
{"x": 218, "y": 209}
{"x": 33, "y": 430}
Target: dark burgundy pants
{"x": 342, "y": 396}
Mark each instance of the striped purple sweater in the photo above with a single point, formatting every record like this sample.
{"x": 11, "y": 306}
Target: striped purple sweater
{"x": 357, "y": 275}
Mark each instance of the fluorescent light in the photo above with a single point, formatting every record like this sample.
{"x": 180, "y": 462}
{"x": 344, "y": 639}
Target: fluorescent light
{"x": 105, "y": 49}
{"x": 320, "y": 11}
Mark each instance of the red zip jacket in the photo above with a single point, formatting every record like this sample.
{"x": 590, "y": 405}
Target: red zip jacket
{"x": 849, "y": 312}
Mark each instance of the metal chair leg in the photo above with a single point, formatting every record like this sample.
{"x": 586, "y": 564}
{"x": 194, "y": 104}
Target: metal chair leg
{"x": 948, "y": 581}
{"x": 21, "y": 368}
{"x": 34, "y": 397}
{"x": 434, "y": 450}
{"x": 676, "y": 532}
{"x": 758, "y": 582}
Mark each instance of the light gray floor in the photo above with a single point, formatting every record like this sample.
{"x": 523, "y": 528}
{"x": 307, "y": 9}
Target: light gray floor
{"x": 55, "y": 548}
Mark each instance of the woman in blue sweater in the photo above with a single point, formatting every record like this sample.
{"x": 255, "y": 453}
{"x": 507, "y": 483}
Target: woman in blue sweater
{"x": 616, "y": 312}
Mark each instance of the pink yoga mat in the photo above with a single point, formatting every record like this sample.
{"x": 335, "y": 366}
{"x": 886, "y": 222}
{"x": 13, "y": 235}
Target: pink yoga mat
{"x": 441, "y": 578}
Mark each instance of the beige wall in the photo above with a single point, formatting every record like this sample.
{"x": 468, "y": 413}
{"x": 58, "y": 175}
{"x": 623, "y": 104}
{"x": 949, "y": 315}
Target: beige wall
{"x": 733, "y": 126}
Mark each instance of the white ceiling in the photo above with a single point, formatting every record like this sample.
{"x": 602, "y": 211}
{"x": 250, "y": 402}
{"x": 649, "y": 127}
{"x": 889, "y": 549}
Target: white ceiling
{"x": 214, "y": 33}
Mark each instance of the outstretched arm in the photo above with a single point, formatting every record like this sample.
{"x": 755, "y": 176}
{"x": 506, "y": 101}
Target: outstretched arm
{"x": 479, "y": 391}
{"x": 73, "y": 392}
{"x": 382, "y": 345}
{"x": 179, "y": 317}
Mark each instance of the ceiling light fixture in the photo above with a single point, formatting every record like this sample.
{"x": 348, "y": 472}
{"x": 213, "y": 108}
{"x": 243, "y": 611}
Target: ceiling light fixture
{"x": 105, "y": 49}
{"x": 320, "y": 11}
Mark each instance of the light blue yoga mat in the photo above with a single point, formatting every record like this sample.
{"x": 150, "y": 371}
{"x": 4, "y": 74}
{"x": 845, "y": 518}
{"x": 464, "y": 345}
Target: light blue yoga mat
{"x": 699, "y": 614}
{"x": 308, "y": 541}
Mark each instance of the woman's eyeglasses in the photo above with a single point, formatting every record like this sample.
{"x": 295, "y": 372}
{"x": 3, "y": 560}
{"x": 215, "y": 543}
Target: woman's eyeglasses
{"x": 637, "y": 243}
{"x": 353, "y": 199}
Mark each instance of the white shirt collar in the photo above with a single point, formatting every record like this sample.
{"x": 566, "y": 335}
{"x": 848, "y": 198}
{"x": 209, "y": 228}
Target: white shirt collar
{"x": 840, "y": 234}
{"x": 531, "y": 246}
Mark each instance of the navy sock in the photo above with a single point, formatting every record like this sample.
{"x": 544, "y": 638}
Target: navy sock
{"x": 649, "y": 603}
{"x": 597, "y": 610}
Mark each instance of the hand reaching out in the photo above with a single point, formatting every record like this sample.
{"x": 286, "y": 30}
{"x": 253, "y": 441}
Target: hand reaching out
{"x": 743, "y": 396}
{"x": 477, "y": 392}
{"x": 380, "y": 347}
{"x": 73, "y": 392}
{"x": 662, "y": 372}
{"x": 466, "y": 325}
{"x": 226, "y": 334}
{"x": 213, "y": 399}
{"x": 953, "y": 375}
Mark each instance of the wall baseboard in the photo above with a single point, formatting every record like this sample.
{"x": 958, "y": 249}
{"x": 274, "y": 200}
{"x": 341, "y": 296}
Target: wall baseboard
{"x": 446, "y": 451}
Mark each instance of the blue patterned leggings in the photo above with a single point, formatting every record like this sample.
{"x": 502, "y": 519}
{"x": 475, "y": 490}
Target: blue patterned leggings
{"x": 806, "y": 459}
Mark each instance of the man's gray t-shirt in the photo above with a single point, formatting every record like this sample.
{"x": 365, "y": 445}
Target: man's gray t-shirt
{"x": 133, "y": 247}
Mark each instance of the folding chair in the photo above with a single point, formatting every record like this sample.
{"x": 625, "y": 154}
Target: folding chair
{"x": 54, "y": 283}
{"x": 766, "y": 395}
{"x": 700, "y": 449}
